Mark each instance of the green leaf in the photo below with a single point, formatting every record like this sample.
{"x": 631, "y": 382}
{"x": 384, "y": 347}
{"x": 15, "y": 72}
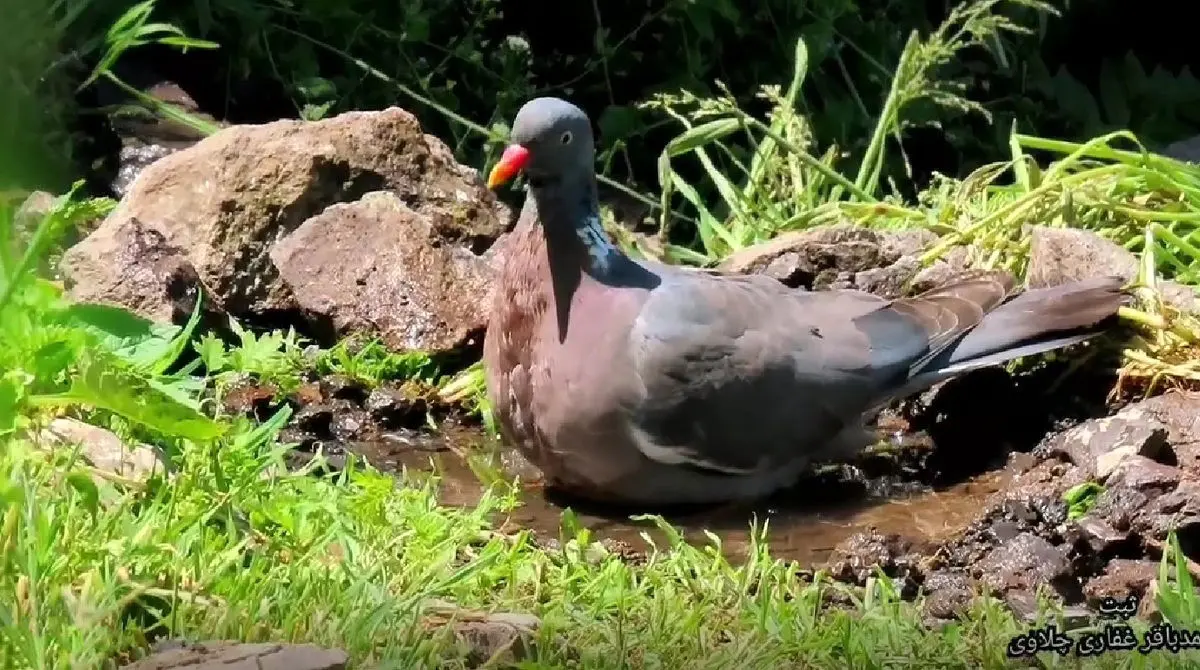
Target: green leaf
{"x": 1081, "y": 497}
{"x": 12, "y": 388}
{"x": 212, "y": 351}
{"x": 144, "y": 344}
{"x": 86, "y": 488}
{"x": 108, "y": 382}
{"x": 698, "y": 137}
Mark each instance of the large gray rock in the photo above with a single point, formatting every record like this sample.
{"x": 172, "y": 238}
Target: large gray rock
{"x": 837, "y": 256}
{"x": 406, "y": 286}
{"x": 208, "y": 216}
{"x": 225, "y": 655}
{"x": 1061, "y": 255}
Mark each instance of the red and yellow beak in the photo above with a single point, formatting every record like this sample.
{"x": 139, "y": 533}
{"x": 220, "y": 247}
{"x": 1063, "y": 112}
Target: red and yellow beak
{"x": 511, "y": 162}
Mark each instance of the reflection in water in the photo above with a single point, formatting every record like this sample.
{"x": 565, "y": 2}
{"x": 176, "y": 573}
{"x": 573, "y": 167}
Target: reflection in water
{"x": 805, "y": 530}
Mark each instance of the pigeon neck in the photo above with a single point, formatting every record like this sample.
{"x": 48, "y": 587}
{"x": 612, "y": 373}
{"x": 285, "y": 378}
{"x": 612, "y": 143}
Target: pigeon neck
{"x": 570, "y": 215}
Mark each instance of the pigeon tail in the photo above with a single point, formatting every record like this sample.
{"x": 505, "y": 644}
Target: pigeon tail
{"x": 1033, "y": 322}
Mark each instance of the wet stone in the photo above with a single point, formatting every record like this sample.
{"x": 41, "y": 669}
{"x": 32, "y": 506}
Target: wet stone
{"x": 1052, "y": 509}
{"x": 303, "y": 440}
{"x": 395, "y": 406}
{"x": 1084, "y": 443}
{"x": 1022, "y": 564}
{"x": 857, "y": 557}
{"x": 1119, "y": 506}
{"x": 948, "y": 594}
{"x": 250, "y": 400}
{"x": 1121, "y": 578}
{"x": 349, "y": 423}
{"x": 314, "y": 419}
{"x": 1142, "y": 474}
{"x": 340, "y": 387}
{"x": 1003, "y": 531}
{"x": 411, "y": 440}
{"x": 1023, "y": 603}
{"x": 1099, "y": 535}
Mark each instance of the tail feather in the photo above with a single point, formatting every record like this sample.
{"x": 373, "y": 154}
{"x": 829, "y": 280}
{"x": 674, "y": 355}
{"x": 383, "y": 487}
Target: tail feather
{"x": 1006, "y": 328}
{"x": 948, "y": 312}
{"x": 1039, "y": 315}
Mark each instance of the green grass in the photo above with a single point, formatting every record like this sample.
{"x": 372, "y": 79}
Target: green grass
{"x": 231, "y": 545}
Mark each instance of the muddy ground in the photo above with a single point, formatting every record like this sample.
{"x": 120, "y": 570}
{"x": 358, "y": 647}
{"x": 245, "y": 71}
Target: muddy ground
{"x": 979, "y": 463}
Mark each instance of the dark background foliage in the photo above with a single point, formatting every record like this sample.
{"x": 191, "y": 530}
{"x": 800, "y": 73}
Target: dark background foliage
{"x": 1101, "y": 65}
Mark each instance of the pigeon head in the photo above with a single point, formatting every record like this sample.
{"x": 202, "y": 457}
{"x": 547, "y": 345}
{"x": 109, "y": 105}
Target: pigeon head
{"x": 551, "y": 139}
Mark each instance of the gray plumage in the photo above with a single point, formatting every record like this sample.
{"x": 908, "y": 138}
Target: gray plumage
{"x": 639, "y": 382}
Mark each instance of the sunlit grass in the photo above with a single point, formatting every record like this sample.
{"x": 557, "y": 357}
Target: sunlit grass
{"x": 232, "y": 545}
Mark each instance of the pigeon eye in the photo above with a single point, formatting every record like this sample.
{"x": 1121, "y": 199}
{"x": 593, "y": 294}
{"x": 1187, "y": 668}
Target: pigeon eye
{"x": 566, "y": 137}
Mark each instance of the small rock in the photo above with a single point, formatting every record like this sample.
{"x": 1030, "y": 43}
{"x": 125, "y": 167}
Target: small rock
{"x": 340, "y": 387}
{"x": 314, "y": 419}
{"x": 1023, "y": 563}
{"x": 1020, "y": 462}
{"x": 1100, "y": 536}
{"x": 1052, "y": 510}
{"x": 890, "y": 281}
{"x": 503, "y": 636}
{"x": 952, "y": 264}
{"x": 1004, "y": 531}
{"x": 226, "y": 655}
{"x": 1023, "y": 603}
{"x": 349, "y": 424}
{"x": 1187, "y": 150}
{"x": 1180, "y": 296}
{"x": 836, "y": 256}
{"x": 909, "y": 242}
{"x": 250, "y": 399}
{"x": 308, "y": 394}
{"x": 409, "y": 287}
{"x": 1107, "y": 463}
{"x": 1142, "y": 474}
{"x": 948, "y": 594}
{"x": 1178, "y": 511}
{"x": 1179, "y": 411}
{"x": 494, "y": 636}
{"x": 137, "y": 267}
{"x": 1121, "y": 578}
{"x": 104, "y": 450}
{"x": 35, "y": 208}
{"x": 395, "y": 406}
{"x": 857, "y": 557}
{"x": 1119, "y": 506}
{"x": 1084, "y": 443}
{"x": 303, "y": 440}
{"x": 1062, "y": 255}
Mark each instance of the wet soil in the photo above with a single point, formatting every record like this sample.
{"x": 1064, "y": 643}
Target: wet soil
{"x": 805, "y": 528}
{"x": 966, "y": 492}
{"x": 908, "y": 486}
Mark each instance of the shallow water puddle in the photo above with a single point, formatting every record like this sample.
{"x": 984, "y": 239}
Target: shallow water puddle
{"x": 805, "y": 530}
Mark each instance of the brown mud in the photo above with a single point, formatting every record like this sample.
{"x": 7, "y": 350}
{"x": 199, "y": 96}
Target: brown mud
{"x": 966, "y": 492}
